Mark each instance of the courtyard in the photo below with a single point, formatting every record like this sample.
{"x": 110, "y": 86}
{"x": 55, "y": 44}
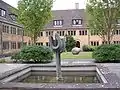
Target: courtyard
{"x": 49, "y": 45}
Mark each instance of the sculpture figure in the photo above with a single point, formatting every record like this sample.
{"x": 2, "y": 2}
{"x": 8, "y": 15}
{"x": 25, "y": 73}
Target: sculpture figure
{"x": 58, "y": 46}
{"x": 76, "y": 51}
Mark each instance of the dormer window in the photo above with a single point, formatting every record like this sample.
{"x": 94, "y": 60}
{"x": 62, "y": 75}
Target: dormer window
{"x": 77, "y": 22}
{"x": 58, "y": 22}
{"x": 2, "y": 12}
{"x": 13, "y": 17}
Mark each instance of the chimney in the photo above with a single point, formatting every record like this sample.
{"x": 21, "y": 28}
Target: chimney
{"x": 76, "y": 5}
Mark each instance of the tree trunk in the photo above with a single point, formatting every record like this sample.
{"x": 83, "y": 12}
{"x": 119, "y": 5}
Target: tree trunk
{"x": 109, "y": 38}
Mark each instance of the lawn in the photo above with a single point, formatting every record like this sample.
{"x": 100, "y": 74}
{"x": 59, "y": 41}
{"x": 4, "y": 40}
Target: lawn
{"x": 81, "y": 55}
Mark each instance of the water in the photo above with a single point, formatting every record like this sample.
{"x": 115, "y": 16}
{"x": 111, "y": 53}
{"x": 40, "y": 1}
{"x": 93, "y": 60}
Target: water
{"x": 49, "y": 77}
{"x": 66, "y": 79}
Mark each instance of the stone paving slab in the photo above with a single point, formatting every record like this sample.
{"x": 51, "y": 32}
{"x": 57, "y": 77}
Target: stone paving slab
{"x": 8, "y": 67}
{"x": 113, "y": 67}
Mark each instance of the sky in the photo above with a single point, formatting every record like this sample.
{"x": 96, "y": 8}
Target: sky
{"x": 58, "y": 4}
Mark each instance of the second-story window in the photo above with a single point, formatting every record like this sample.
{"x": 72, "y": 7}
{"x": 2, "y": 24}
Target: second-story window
{"x": 19, "y": 31}
{"x": 48, "y": 33}
{"x": 13, "y": 30}
{"x": 2, "y": 12}
{"x": 72, "y": 33}
{"x": 77, "y": 22}
{"x": 5, "y": 29}
{"x": 58, "y": 22}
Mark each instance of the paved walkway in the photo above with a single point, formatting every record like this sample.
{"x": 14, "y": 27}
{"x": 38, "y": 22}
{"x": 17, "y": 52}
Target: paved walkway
{"x": 8, "y": 67}
{"x": 113, "y": 67}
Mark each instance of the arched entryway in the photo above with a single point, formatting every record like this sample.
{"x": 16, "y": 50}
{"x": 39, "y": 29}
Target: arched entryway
{"x": 78, "y": 44}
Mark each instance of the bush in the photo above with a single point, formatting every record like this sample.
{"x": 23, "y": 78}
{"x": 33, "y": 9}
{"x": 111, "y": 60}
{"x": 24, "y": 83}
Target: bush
{"x": 3, "y": 61}
{"x": 34, "y": 54}
{"x": 70, "y": 43}
{"x": 107, "y": 53}
{"x": 87, "y": 48}
{"x": 16, "y": 56}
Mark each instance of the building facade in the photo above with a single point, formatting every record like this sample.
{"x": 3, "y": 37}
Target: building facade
{"x": 11, "y": 33}
{"x": 64, "y": 22}
{"x": 74, "y": 23}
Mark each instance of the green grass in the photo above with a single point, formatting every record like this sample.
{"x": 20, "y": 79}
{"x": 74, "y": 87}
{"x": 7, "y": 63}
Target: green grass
{"x": 81, "y": 55}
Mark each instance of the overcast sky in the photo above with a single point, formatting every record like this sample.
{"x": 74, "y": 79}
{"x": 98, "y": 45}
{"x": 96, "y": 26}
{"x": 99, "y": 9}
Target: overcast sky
{"x": 58, "y": 4}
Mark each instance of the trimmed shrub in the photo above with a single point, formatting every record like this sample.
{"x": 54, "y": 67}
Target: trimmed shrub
{"x": 3, "y": 61}
{"x": 16, "y": 57}
{"x": 107, "y": 53}
{"x": 70, "y": 43}
{"x": 35, "y": 54}
{"x": 87, "y": 48}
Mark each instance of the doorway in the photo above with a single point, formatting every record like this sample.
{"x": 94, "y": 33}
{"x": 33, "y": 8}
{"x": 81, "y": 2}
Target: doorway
{"x": 78, "y": 44}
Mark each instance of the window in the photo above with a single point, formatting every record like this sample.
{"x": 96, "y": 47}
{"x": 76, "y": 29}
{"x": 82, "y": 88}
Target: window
{"x": 2, "y": 12}
{"x": 48, "y": 33}
{"x": 19, "y": 31}
{"x": 5, "y": 29}
{"x": 72, "y": 33}
{"x": 13, "y": 30}
{"x": 83, "y": 32}
{"x": 5, "y": 45}
{"x": 116, "y": 32}
{"x": 94, "y": 43}
{"x": 13, "y": 45}
{"x": 61, "y": 33}
{"x": 104, "y": 42}
{"x": 77, "y": 22}
{"x": 41, "y": 34}
{"x": 38, "y": 44}
{"x": 58, "y": 22}
{"x": 47, "y": 43}
{"x": 41, "y": 44}
{"x": 19, "y": 45}
{"x": 13, "y": 17}
{"x": 116, "y": 42}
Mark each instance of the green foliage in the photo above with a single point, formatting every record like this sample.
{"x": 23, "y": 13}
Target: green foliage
{"x": 102, "y": 17}
{"x": 87, "y": 48}
{"x": 70, "y": 43}
{"x": 2, "y": 61}
{"x": 107, "y": 53}
{"x": 34, "y": 54}
{"x": 34, "y": 14}
{"x": 16, "y": 56}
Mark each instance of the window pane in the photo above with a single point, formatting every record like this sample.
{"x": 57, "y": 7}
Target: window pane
{"x": 79, "y": 32}
{"x": 76, "y": 21}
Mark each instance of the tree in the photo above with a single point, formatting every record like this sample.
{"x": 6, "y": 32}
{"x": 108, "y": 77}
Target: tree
{"x": 70, "y": 43}
{"x": 33, "y": 15}
{"x": 102, "y": 17}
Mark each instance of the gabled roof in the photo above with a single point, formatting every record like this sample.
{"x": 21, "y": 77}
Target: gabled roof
{"x": 67, "y": 16}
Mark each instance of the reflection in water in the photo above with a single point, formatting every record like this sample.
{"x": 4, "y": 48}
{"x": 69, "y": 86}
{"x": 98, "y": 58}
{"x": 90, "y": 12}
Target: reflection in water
{"x": 66, "y": 79}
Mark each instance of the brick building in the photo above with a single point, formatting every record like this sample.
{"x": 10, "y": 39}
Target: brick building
{"x": 11, "y": 33}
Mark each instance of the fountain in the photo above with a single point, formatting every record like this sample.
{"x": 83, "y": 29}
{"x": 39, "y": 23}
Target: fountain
{"x": 46, "y": 77}
{"x": 58, "y": 46}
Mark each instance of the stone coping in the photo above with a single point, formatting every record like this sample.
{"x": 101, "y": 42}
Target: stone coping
{"x": 112, "y": 79}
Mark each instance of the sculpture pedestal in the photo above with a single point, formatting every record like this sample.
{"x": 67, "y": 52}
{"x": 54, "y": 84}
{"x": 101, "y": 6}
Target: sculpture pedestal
{"x": 58, "y": 66}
